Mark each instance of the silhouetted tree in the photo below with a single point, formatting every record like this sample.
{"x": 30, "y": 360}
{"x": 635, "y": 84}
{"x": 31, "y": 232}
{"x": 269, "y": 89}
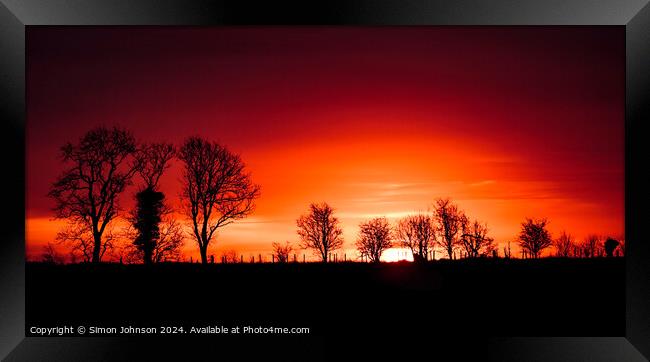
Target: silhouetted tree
{"x": 416, "y": 232}
{"x": 153, "y": 160}
{"x": 217, "y": 190}
{"x": 564, "y": 245}
{"x": 81, "y": 239}
{"x": 281, "y": 252}
{"x": 170, "y": 243}
{"x": 51, "y": 256}
{"x": 610, "y": 246}
{"x": 374, "y": 238}
{"x": 507, "y": 252}
{"x": 590, "y": 246}
{"x": 449, "y": 220}
{"x": 534, "y": 237}
{"x": 474, "y": 239}
{"x": 319, "y": 230}
{"x": 86, "y": 194}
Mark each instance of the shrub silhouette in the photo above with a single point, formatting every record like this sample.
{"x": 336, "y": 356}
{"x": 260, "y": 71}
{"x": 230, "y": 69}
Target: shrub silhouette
{"x": 610, "y": 246}
{"x": 281, "y": 252}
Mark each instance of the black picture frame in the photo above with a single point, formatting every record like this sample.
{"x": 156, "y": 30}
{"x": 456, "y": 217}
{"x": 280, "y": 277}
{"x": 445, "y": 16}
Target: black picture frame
{"x": 16, "y": 15}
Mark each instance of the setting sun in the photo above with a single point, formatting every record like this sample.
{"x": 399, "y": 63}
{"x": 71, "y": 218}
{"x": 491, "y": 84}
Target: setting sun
{"x": 397, "y": 254}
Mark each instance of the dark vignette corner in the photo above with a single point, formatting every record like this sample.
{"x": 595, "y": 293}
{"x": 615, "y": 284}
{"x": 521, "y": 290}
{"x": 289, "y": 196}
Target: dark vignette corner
{"x": 12, "y": 136}
{"x": 637, "y": 179}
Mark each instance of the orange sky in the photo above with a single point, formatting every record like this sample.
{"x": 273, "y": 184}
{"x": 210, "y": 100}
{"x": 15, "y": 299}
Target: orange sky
{"x": 508, "y": 122}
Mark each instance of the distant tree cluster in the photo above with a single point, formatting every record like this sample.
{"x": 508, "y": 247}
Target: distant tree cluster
{"x": 591, "y": 246}
{"x": 447, "y": 226}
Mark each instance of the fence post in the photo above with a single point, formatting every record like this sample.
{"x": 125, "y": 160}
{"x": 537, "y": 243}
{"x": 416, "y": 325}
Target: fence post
{"x": 345, "y": 257}
{"x": 273, "y": 259}
{"x": 294, "y": 257}
{"x": 303, "y": 258}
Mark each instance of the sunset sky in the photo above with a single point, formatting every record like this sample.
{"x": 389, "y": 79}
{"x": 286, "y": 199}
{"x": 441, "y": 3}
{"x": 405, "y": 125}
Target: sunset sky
{"x": 509, "y": 122}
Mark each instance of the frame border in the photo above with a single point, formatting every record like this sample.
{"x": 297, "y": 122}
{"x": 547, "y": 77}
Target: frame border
{"x": 16, "y": 15}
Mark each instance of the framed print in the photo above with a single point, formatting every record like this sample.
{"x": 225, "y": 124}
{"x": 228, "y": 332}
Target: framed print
{"x": 191, "y": 180}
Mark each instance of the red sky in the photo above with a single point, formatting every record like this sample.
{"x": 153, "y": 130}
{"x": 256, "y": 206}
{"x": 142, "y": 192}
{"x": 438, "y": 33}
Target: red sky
{"x": 510, "y": 122}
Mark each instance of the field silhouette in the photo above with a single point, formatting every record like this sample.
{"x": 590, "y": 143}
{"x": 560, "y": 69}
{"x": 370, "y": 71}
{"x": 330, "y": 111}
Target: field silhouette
{"x": 485, "y": 296}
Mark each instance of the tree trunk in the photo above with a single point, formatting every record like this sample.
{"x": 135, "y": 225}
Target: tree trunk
{"x": 204, "y": 254}
{"x": 97, "y": 248}
{"x": 147, "y": 257}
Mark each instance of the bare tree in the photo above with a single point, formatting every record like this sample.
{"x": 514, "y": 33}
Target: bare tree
{"x": 153, "y": 160}
{"x": 590, "y": 246}
{"x": 217, "y": 190}
{"x": 507, "y": 252}
{"x": 534, "y": 237}
{"x": 82, "y": 243}
{"x": 319, "y": 230}
{"x": 100, "y": 168}
{"x": 281, "y": 252}
{"x": 576, "y": 250}
{"x": 474, "y": 239}
{"x": 230, "y": 256}
{"x": 51, "y": 256}
{"x": 564, "y": 245}
{"x": 170, "y": 243}
{"x": 416, "y": 232}
{"x": 449, "y": 220}
{"x": 374, "y": 238}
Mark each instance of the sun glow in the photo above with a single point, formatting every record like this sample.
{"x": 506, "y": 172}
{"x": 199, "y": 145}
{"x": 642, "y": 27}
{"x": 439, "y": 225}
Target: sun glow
{"x": 397, "y": 254}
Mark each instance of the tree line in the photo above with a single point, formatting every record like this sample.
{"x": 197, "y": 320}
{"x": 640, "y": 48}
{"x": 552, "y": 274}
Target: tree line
{"x": 217, "y": 190}
{"x": 447, "y": 227}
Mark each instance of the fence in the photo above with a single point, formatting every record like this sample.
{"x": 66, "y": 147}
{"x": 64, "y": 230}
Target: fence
{"x": 271, "y": 258}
